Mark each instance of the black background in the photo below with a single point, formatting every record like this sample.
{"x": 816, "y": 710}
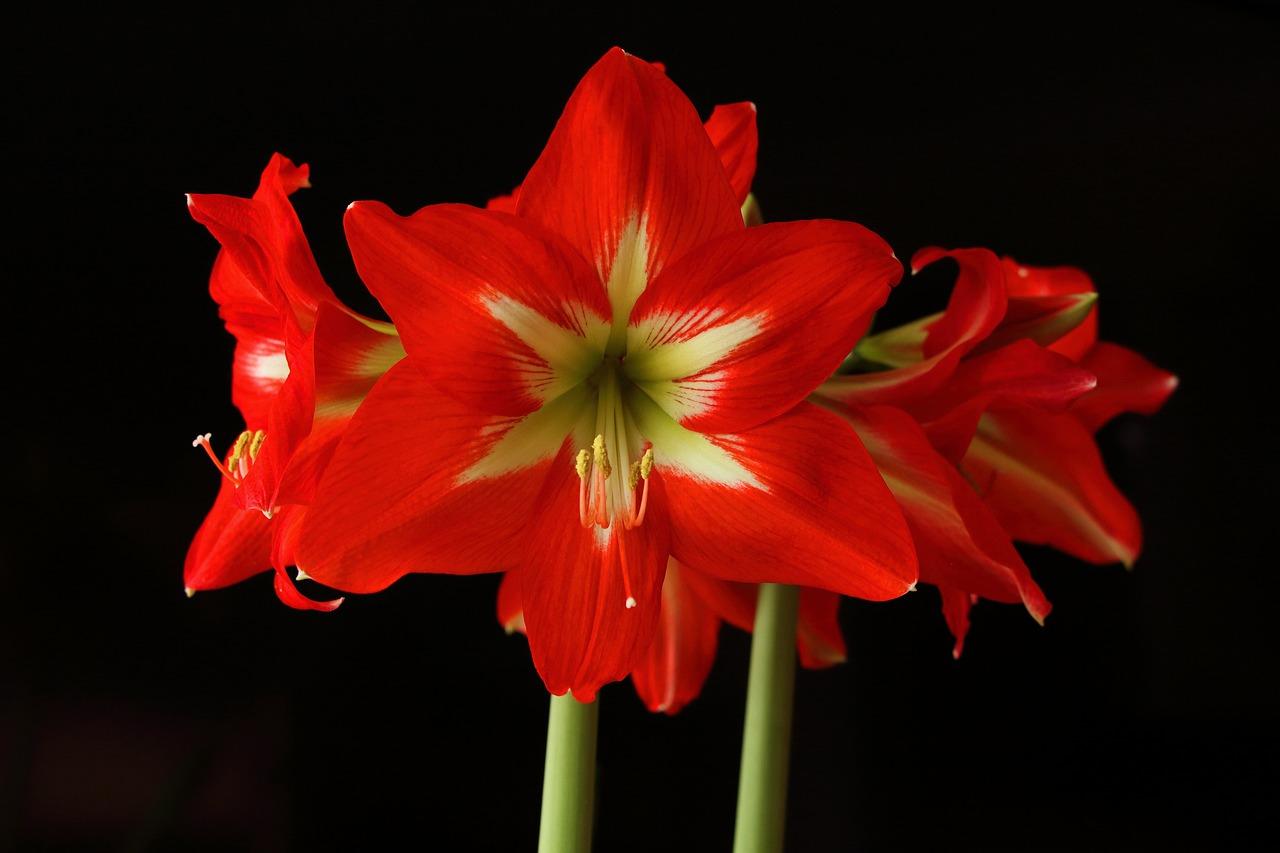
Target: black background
{"x": 1141, "y": 146}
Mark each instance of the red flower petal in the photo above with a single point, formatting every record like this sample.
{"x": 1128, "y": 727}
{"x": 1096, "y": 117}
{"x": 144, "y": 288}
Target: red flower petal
{"x": 421, "y": 482}
{"x": 1043, "y": 477}
{"x": 1056, "y": 281}
{"x": 630, "y": 177}
{"x": 813, "y": 511}
{"x": 956, "y": 604}
{"x": 925, "y": 353}
{"x": 230, "y": 545}
{"x": 732, "y": 129}
{"x": 510, "y": 607}
{"x": 494, "y": 311}
{"x": 1127, "y": 382}
{"x": 675, "y": 666}
{"x": 576, "y": 582}
{"x": 959, "y": 542}
{"x": 1021, "y": 372}
{"x": 745, "y": 327}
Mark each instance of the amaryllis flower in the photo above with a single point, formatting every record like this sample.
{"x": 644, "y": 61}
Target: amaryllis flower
{"x": 303, "y": 362}
{"x": 981, "y": 427}
{"x": 611, "y": 376}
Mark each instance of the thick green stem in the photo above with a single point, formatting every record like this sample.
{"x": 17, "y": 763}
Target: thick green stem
{"x": 569, "y": 781}
{"x": 766, "y": 740}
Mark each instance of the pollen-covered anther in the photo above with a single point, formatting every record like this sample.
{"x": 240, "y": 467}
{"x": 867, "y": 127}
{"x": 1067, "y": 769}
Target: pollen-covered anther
{"x": 239, "y": 459}
{"x": 640, "y": 471}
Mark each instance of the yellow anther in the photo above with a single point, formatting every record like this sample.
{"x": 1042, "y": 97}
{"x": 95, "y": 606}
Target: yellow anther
{"x": 600, "y": 456}
{"x": 635, "y": 474}
{"x": 255, "y": 444}
{"x": 237, "y": 450}
{"x": 581, "y": 463}
{"x": 646, "y": 463}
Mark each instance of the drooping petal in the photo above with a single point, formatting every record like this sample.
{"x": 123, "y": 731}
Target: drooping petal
{"x": 959, "y": 542}
{"x": 675, "y": 666}
{"x": 819, "y": 639}
{"x": 796, "y": 500}
{"x": 1042, "y": 319}
{"x": 1025, "y": 281}
{"x": 925, "y": 353}
{"x": 745, "y": 327}
{"x": 510, "y": 606}
{"x": 494, "y": 311}
{"x": 630, "y": 178}
{"x": 956, "y": 604}
{"x": 286, "y": 527}
{"x": 230, "y": 545}
{"x": 1127, "y": 382}
{"x": 1021, "y": 372}
{"x": 732, "y": 129}
{"x": 420, "y": 482}
{"x": 592, "y": 596}
{"x": 1043, "y": 477}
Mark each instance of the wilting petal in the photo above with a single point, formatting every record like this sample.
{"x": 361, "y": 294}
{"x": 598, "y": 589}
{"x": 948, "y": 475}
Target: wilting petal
{"x": 958, "y": 541}
{"x": 264, "y": 239}
{"x": 592, "y": 596}
{"x": 956, "y": 604}
{"x": 745, "y": 327}
{"x": 1021, "y": 372}
{"x": 673, "y": 669}
{"x": 230, "y": 545}
{"x": 495, "y": 312}
{"x": 630, "y": 178}
{"x": 1043, "y": 477}
{"x": 1056, "y": 281}
{"x": 420, "y": 482}
{"x": 925, "y": 353}
{"x": 1127, "y": 382}
{"x": 732, "y": 129}
{"x": 805, "y": 505}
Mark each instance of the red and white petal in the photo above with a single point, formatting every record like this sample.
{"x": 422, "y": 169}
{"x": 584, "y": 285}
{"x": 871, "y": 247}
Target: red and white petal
{"x": 420, "y": 482}
{"x": 1042, "y": 476}
{"x": 675, "y": 666}
{"x": 747, "y": 326}
{"x": 260, "y": 365}
{"x": 1022, "y": 372}
{"x": 796, "y": 500}
{"x": 630, "y": 178}
{"x": 230, "y": 545}
{"x": 496, "y": 312}
{"x": 925, "y": 353}
{"x": 1025, "y": 280}
{"x": 592, "y": 596}
{"x": 1127, "y": 382}
{"x": 732, "y": 129}
{"x": 959, "y": 542}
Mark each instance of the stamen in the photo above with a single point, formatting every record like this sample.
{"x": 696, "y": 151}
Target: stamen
{"x": 582, "y": 464}
{"x": 242, "y": 455}
{"x": 203, "y": 441}
{"x": 642, "y": 469}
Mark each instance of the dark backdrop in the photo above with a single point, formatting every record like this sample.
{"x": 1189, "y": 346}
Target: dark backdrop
{"x": 1141, "y": 146}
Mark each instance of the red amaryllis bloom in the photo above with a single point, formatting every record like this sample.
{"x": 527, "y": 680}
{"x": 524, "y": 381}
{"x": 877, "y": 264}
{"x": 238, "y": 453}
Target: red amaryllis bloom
{"x": 611, "y": 376}
{"x": 303, "y": 362}
{"x": 982, "y": 427}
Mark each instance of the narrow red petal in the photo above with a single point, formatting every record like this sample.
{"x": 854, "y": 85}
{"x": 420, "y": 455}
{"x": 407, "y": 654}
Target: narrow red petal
{"x": 496, "y": 312}
{"x": 510, "y": 605}
{"x": 1127, "y": 382}
{"x": 230, "y": 545}
{"x": 732, "y": 129}
{"x": 816, "y": 514}
{"x": 576, "y": 583}
{"x": 956, "y": 604}
{"x": 1043, "y": 477}
{"x": 672, "y": 671}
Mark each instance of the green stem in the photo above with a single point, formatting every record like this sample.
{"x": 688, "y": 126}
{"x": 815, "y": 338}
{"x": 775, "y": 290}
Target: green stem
{"x": 569, "y": 781}
{"x": 766, "y": 740}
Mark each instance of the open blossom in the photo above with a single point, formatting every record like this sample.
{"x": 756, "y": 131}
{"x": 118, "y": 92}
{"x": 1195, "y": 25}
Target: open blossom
{"x": 303, "y": 362}
{"x": 982, "y": 425}
{"x": 612, "y": 376}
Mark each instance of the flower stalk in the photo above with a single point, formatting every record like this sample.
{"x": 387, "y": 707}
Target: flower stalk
{"x": 569, "y": 780}
{"x": 766, "y": 739}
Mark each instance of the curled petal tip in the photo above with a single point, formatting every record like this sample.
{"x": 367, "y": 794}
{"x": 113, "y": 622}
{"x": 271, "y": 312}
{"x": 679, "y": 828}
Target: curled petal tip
{"x": 911, "y": 587}
{"x": 190, "y": 201}
{"x": 189, "y": 591}
{"x": 631, "y": 602}
{"x": 302, "y": 576}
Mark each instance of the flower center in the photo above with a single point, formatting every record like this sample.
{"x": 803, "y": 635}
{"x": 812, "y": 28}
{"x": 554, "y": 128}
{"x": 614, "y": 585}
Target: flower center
{"x": 241, "y": 456}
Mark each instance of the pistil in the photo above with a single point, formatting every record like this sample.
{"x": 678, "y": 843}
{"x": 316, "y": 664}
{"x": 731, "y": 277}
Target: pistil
{"x": 240, "y": 459}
